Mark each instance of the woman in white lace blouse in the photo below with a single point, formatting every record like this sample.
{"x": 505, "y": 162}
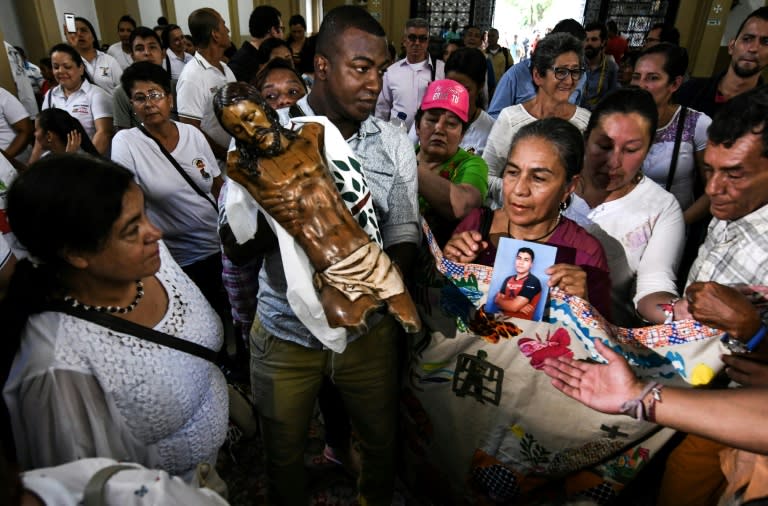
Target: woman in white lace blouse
{"x": 77, "y": 389}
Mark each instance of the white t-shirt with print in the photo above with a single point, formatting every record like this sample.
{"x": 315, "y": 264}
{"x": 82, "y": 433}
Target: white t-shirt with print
{"x": 23, "y": 86}
{"x": 187, "y": 220}
{"x": 657, "y": 161}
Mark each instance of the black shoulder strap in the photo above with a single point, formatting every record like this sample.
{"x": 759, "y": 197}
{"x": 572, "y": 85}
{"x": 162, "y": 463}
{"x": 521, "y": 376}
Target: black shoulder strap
{"x": 50, "y": 92}
{"x": 168, "y": 62}
{"x": 433, "y": 64}
{"x": 181, "y": 171}
{"x": 127, "y": 327}
{"x": 676, "y": 149}
{"x": 295, "y": 111}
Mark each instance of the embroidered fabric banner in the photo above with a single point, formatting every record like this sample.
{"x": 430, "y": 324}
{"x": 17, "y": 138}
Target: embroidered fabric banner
{"x": 483, "y": 423}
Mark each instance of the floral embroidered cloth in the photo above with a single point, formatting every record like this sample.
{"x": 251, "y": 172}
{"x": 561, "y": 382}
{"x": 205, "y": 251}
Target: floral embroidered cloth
{"x": 482, "y": 421}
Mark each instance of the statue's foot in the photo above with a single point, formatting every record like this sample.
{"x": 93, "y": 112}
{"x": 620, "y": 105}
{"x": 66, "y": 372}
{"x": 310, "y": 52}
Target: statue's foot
{"x": 401, "y": 306}
{"x": 342, "y": 312}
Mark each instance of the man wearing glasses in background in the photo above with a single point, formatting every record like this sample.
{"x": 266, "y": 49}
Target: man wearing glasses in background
{"x": 406, "y": 80}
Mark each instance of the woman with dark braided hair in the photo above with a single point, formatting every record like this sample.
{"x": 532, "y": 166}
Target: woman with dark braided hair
{"x": 58, "y": 132}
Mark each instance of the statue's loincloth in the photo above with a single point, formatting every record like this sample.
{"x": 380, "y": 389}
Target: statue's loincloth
{"x": 366, "y": 271}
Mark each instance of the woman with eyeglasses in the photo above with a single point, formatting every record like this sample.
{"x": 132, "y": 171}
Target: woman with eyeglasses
{"x": 186, "y": 214}
{"x": 556, "y": 67}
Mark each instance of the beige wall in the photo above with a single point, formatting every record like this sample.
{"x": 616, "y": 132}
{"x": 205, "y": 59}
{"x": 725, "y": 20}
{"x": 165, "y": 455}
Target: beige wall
{"x": 701, "y": 24}
{"x": 109, "y": 13}
{"x": 6, "y": 79}
{"x": 38, "y": 17}
{"x": 396, "y": 13}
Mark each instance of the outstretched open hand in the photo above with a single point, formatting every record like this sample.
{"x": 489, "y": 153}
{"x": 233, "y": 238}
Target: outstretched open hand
{"x": 603, "y": 387}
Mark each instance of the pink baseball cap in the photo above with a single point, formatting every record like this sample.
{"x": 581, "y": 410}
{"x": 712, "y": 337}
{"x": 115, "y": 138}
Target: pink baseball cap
{"x": 449, "y": 95}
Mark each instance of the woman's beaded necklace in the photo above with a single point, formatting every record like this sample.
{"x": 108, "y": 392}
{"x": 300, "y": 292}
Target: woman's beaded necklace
{"x": 110, "y": 309}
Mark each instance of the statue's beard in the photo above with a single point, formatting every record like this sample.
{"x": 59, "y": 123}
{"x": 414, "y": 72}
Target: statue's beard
{"x": 250, "y": 153}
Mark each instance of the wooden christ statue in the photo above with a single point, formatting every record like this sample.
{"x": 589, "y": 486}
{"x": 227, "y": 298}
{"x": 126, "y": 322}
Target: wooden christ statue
{"x": 286, "y": 173}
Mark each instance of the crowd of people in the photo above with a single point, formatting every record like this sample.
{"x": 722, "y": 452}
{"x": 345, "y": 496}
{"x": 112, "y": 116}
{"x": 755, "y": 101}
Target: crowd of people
{"x": 114, "y": 213}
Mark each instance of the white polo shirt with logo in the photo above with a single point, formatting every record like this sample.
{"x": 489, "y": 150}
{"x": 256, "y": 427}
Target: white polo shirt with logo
{"x": 87, "y": 104}
{"x": 198, "y": 83}
{"x": 105, "y": 71}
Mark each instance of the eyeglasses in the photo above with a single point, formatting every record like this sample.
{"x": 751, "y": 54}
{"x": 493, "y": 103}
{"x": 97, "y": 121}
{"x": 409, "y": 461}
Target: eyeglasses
{"x": 421, "y": 38}
{"x": 562, "y": 72}
{"x": 153, "y": 96}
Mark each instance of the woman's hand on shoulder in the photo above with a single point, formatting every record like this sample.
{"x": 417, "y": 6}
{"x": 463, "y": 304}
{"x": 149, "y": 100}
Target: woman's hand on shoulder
{"x": 464, "y": 247}
{"x": 571, "y": 279}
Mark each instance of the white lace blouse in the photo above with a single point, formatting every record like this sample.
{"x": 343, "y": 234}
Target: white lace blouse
{"x": 78, "y": 389}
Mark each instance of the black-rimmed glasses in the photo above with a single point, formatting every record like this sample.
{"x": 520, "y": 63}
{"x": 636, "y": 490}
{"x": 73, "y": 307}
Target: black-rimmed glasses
{"x": 563, "y": 72}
